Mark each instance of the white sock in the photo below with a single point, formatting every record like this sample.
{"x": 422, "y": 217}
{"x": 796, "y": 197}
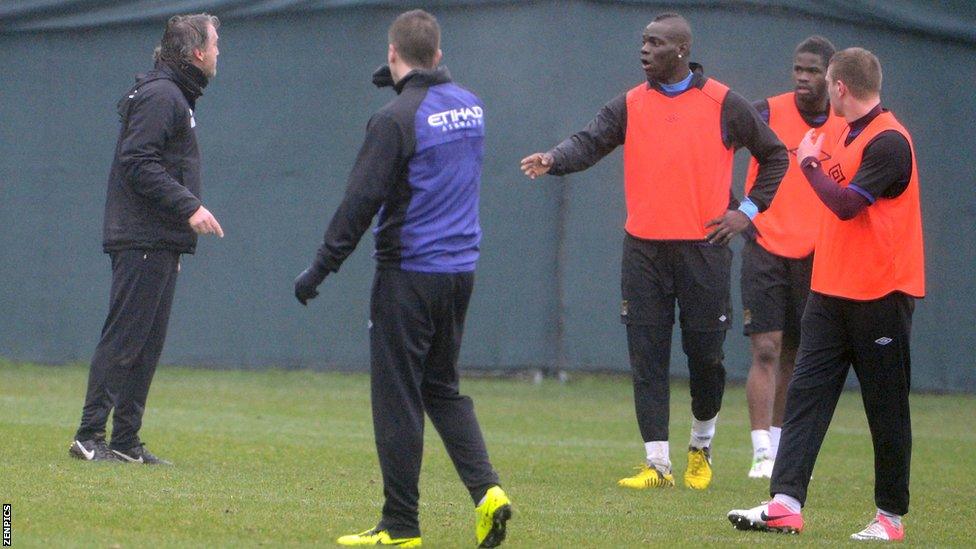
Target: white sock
{"x": 658, "y": 455}
{"x": 760, "y": 443}
{"x": 702, "y": 432}
{"x": 789, "y": 502}
{"x": 774, "y": 433}
{"x": 895, "y": 519}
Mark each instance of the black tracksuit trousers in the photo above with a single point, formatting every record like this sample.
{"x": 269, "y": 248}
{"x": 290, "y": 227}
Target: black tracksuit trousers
{"x": 417, "y": 320}
{"x": 122, "y": 368}
{"x": 656, "y": 274}
{"x": 873, "y": 336}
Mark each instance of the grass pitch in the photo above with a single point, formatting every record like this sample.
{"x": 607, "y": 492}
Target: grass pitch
{"x": 282, "y": 458}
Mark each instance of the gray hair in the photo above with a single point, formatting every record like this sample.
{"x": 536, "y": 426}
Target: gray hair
{"x": 183, "y": 34}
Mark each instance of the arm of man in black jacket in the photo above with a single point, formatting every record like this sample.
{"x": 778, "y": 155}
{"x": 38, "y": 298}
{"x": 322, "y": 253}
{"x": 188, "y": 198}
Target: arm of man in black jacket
{"x": 742, "y": 126}
{"x": 373, "y": 177}
{"x": 152, "y": 118}
{"x": 585, "y": 148}
{"x": 745, "y": 127}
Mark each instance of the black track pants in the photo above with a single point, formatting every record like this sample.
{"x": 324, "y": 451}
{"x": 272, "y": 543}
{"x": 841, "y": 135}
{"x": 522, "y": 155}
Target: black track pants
{"x": 415, "y": 336}
{"x": 650, "y": 351}
{"x": 655, "y": 276}
{"x": 122, "y": 368}
{"x": 835, "y": 334}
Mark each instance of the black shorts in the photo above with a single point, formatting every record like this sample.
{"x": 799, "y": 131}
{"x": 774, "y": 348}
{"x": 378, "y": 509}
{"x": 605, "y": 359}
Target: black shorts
{"x": 657, "y": 273}
{"x": 774, "y": 292}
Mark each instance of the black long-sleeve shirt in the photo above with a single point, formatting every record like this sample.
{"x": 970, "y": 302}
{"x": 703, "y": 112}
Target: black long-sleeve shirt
{"x": 741, "y": 126}
{"x": 885, "y": 170}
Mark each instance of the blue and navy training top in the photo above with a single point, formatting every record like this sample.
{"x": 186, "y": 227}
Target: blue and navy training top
{"x": 419, "y": 170}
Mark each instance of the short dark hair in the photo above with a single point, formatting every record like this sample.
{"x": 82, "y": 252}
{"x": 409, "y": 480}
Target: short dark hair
{"x": 817, "y": 45}
{"x": 684, "y": 28}
{"x": 417, "y": 37}
{"x": 859, "y": 70}
{"x": 183, "y": 34}
{"x": 666, "y": 15}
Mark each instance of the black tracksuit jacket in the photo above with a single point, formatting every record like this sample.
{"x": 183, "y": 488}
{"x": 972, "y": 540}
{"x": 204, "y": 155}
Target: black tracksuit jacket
{"x": 154, "y": 184}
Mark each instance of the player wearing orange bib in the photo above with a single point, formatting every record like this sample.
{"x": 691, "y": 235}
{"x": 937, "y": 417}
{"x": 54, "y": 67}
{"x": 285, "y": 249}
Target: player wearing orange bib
{"x": 867, "y": 272}
{"x": 679, "y": 130}
{"x": 778, "y": 255}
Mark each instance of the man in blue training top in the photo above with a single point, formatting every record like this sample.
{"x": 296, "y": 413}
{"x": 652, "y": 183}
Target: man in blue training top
{"x": 420, "y": 169}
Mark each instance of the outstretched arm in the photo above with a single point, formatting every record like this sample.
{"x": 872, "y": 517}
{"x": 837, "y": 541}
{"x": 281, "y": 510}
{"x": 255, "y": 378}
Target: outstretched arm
{"x": 585, "y": 148}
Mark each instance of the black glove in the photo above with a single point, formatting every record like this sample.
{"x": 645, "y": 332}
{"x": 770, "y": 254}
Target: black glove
{"x": 307, "y": 282}
{"x": 382, "y": 77}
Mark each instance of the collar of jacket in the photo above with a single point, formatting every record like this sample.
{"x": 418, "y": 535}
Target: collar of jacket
{"x": 861, "y": 123}
{"x": 189, "y": 78}
{"x": 697, "y": 79}
{"x": 423, "y": 78}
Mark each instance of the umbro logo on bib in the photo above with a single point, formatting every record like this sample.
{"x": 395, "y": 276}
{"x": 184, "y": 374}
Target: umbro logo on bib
{"x": 883, "y": 340}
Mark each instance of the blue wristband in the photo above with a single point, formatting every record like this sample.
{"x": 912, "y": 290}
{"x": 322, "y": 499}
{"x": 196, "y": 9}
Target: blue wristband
{"x": 748, "y": 208}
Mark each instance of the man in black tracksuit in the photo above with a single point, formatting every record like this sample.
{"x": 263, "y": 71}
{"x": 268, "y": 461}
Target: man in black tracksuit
{"x": 419, "y": 170}
{"x": 153, "y": 214}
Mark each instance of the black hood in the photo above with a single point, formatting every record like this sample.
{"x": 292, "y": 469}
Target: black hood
{"x": 423, "y": 78}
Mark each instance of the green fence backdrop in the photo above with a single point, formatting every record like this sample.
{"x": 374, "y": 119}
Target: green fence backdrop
{"x": 280, "y": 125}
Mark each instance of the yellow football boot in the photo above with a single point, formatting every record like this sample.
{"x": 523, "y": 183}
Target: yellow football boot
{"x": 699, "y": 473}
{"x": 647, "y": 477}
{"x": 377, "y": 537}
{"x": 492, "y": 513}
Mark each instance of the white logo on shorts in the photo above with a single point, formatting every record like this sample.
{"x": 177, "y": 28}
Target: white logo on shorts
{"x": 883, "y": 340}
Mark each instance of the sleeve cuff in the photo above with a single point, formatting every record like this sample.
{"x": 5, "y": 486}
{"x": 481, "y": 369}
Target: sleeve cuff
{"x": 189, "y": 206}
{"x": 868, "y": 196}
{"x": 810, "y": 162}
{"x": 749, "y": 208}
{"x": 554, "y": 153}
